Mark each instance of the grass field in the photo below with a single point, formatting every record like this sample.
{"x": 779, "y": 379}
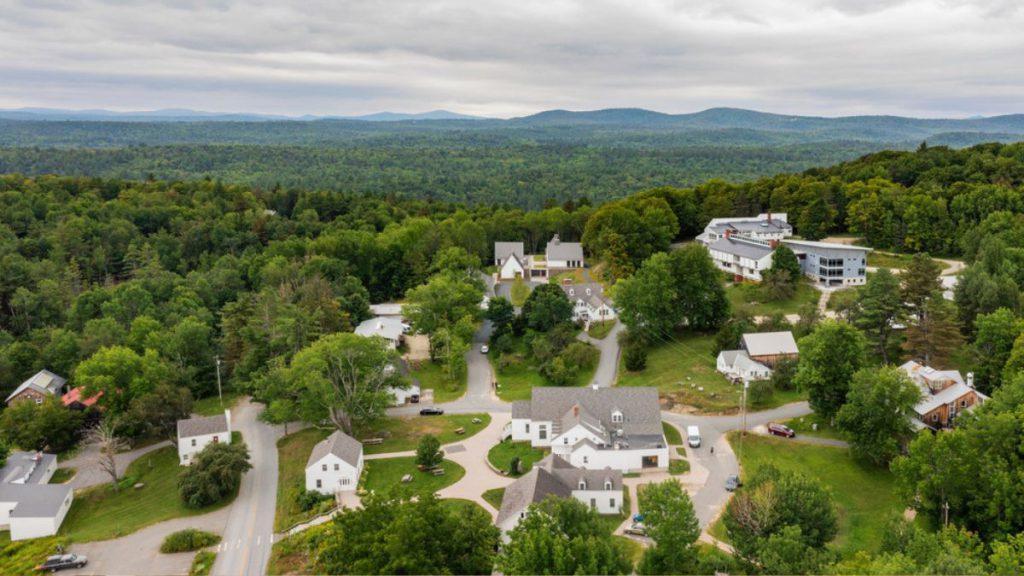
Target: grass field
{"x": 600, "y": 330}
{"x": 432, "y": 376}
{"x": 23, "y": 556}
{"x": 864, "y": 495}
{"x": 889, "y": 260}
{"x": 500, "y": 455}
{"x": 677, "y": 466}
{"x": 382, "y": 474}
{"x": 62, "y": 475}
{"x": 752, "y": 297}
{"x": 804, "y": 426}
{"x": 402, "y": 434}
{"x": 672, "y": 434}
{"x": 518, "y": 292}
{"x": 292, "y": 452}
{"x": 684, "y": 370}
{"x": 212, "y": 406}
{"x": 99, "y": 513}
{"x": 515, "y": 382}
{"x": 459, "y": 505}
{"x": 494, "y": 496}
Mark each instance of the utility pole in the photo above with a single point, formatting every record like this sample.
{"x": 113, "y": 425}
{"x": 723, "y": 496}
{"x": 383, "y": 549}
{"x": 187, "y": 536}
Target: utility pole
{"x": 945, "y": 513}
{"x": 220, "y": 394}
{"x": 743, "y": 418}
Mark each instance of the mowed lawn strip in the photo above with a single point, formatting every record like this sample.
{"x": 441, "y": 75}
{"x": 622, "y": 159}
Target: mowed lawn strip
{"x": 401, "y": 434}
{"x": 494, "y": 497}
{"x": 100, "y": 513}
{"x": 212, "y": 406}
{"x": 292, "y": 453}
{"x": 385, "y": 473}
{"x": 672, "y": 434}
{"x": 433, "y": 376}
{"x": 752, "y": 297}
{"x": 680, "y": 366}
{"x": 864, "y": 495}
{"x": 500, "y": 455}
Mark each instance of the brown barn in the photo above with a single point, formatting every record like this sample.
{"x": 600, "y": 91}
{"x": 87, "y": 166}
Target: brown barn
{"x": 769, "y": 348}
{"x": 38, "y": 387}
{"x": 944, "y": 394}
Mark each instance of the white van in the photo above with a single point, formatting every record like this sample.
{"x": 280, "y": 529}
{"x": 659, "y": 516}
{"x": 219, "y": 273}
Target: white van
{"x": 693, "y": 436}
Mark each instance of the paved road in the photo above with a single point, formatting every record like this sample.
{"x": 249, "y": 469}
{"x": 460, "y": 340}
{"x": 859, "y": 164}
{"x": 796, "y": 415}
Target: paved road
{"x": 608, "y": 365}
{"x": 245, "y": 526}
{"x": 249, "y": 532}
{"x": 86, "y": 462}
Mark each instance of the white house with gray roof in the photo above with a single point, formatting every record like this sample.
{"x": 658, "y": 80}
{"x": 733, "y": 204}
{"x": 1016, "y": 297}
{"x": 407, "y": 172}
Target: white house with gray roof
{"x": 42, "y": 384}
{"x": 601, "y": 490}
{"x": 763, "y": 227}
{"x": 589, "y": 303}
{"x": 594, "y": 428}
{"x": 30, "y": 507}
{"x": 194, "y": 434}
{"x": 334, "y": 464}
{"x": 745, "y": 259}
{"x": 512, "y": 262}
{"x": 390, "y": 328}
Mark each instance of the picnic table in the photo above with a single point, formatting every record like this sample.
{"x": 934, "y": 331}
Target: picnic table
{"x": 372, "y": 441}
{"x": 437, "y": 471}
{"x": 460, "y": 430}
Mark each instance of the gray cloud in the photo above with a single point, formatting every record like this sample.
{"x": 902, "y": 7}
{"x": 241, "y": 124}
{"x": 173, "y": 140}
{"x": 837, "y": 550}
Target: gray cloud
{"x": 830, "y": 57}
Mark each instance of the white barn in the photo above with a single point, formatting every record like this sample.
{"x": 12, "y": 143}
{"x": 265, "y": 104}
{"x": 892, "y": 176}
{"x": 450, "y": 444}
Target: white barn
{"x": 194, "y": 434}
{"x": 334, "y": 464}
{"x": 390, "y": 328}
{"x": 29, "y": 506}
{"x": 594, "y": 428}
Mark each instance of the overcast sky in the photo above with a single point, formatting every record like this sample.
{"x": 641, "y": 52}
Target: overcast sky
{"x": 828, "y": 57}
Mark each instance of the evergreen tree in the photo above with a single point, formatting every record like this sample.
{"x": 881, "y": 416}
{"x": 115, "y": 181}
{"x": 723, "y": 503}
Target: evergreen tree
{"x": 935, "y": 336}
{"x": 879, "y": 309}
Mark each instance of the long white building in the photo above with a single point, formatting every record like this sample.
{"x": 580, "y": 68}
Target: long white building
{"x": 594, "y": 428}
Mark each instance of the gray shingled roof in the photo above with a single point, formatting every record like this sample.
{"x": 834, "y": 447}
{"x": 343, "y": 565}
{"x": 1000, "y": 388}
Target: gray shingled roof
{"x": 558, "y": 250}
{"x": 341, "y": 445}
{"x": 24, "y": 468}
{"x": 639, "y": 406}
{"x": 521, "y": 409}
{"x": 202, "y": 425}
{"x": 552, "y": 476}
{"x": 754, "y": 225}
{"x": 769, "y": 343}
{"x": 579, "y": 291}
{"x": 35, "y": 500}
{"x": 44, "y": 382}
{"x": 741, "y": 248}
{"x": 502, "y": 250}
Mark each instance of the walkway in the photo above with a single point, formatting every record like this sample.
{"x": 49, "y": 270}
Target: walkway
{"x": 608, "y": 364}
{"x": 89, "y": 473}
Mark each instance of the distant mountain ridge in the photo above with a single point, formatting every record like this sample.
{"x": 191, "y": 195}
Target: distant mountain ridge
{"x": 186, "y": 115}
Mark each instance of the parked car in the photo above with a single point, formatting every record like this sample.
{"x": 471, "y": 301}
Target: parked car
{"x": 636, "y": 529}
{"x": 484, "y": 349}
{"x": 62, "y": 562}
{"x": 780, "y": 430}
{"x": 693, "y": 436}
{"x": 431, "y": 411}
{"x": 732, "y": 483}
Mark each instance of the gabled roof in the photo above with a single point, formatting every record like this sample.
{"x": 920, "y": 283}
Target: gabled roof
{"x": 552, "y": 476}
{"x": 742, "y": 248}
{"x": 769, "y": 343}
{"x": 35, "y": 500}
{"x": 578, "y": 416}
{"x": 558, "y": 250}
{"x": 387, "y": 327}
{"x": 924, "y": 375}
{"x": 595, "y": 298}
{"x": 502, "y": 250}
{"x": 44, "y": 382}
{"x": 639, "y": 406}
{"x": 738, "y": 360}
{"x": 339, "y": 444}
{"x": 203, "y": 425}
{"x": 26, "y": 468}
{"x": 75, "y": 395}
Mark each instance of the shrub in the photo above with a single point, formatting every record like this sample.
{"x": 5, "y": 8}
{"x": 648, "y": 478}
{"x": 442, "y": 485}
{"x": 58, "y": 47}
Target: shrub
{"x": 428, "y": 453}
{"x": 635, "y": 357}
{"x": 188, "y": 540}
{"x": 559, "y": 373}
{"x": 310, "y": 499}
{"x": 506, "y": 361}
{"x": 580, "y": 355}
{"x": 760, "y": 391}
{"x": 215, "y": 474}
{"x": 515, "y": 466}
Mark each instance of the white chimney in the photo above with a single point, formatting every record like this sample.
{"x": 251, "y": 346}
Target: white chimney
{"x": 970, "y": 379}
{"x": 594, "y": 386}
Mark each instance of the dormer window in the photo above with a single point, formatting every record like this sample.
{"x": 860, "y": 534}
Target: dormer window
{"x": 583, "y": 484}
{"x": 607, "y": 484}
{"x": 572, "y": 291}
{"x": 617, "y": 417}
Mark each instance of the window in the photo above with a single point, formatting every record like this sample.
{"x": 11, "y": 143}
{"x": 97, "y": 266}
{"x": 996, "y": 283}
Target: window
{"x": 583, "y": 484}
{"x": 323, "y": 467}
{"x": 542, "y": 432}
{"x": 963, "y": 403}
{"x": 527, "y": 427}
{"x": 216, "y": 439}
{"x": 611, "y": 502}
{"x": 607, "y": 485}
{"x": 935, "y": 417}
{"x": 193, "y": 442}
{"x": 617, "y": 417}
{"x": 337, "y": 467}
{"x": 346, "y": 481}
{"x": 593, "y": 503}
{"x": 565, "y": 439}
{"x": 319, "y": 484}
{"x": 586, "y": 459}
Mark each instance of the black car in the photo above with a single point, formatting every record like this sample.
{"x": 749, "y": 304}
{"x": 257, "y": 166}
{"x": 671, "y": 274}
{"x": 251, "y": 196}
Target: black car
{"x": 62, "y": 562}
{"x": 431, "y": 411}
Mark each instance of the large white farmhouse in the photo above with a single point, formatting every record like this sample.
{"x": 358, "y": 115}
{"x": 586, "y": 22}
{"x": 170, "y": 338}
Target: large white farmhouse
{"x": 334, "y": 464}
{"x": 594, "y": 428}
{"x": 30, "y": 507}
{"x": 512, "y": 262}
{"x": 194, "y": 434}
{"x": 589, "y": 304}
{"x": 601, "y": 490}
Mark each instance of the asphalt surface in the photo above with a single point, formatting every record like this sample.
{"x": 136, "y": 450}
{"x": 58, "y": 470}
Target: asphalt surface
{"x": 608, "y": 365}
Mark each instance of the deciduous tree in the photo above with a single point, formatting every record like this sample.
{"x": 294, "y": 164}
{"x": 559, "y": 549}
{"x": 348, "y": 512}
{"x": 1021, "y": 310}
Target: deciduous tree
{"x": 878, "y": 412}
{"x": 829, "y": 357}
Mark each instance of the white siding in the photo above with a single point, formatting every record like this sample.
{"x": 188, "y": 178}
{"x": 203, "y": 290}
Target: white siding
{"x": 338, "y": 476}
{"x": 603, "y": 501}
{"x": 625, "y": 460}
{"x": 509, "y": 269}
{"x": 189, "y": 447}
{"x": 24, "y": 528}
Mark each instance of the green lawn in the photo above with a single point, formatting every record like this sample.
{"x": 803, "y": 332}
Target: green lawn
{"x": 889, "y": 260}
{"x": 864, "y": 495}
{"x": 600, "y": 330}
{"x": 634, "y": 550}
{"x": 432, "y": 376}
{"x": 518, "y": 292}
{"x": 202, "y": 563}
{"x": 842, "y": 299}
{"x": 672, "y": 434}
{"x": 501, "y": 454}
{"x": 679, "y": 368}
{"x": 515, "y": 382}
{"x": 212, "y": 406}
{"x": 458, "y": 505}
{"x": 752, "y": 297}
{"x": 292, "y": 453}
{"x": 100, "y": 513}
{"x": 401, "y": 434}
{"x": 494, "y": 497}
{"x": 23, "y": 556}
{"x": 62, "y": 475}
{"x": 804, "y": 425}
{"x": 382, "y": 474}
{"x": 678, "y": 466}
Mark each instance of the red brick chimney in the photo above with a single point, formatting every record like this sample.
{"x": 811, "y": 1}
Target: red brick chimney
{"x": 773, "y": 243}
{"x": 576, "y": 411}
{"x": 728, "y": 233}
